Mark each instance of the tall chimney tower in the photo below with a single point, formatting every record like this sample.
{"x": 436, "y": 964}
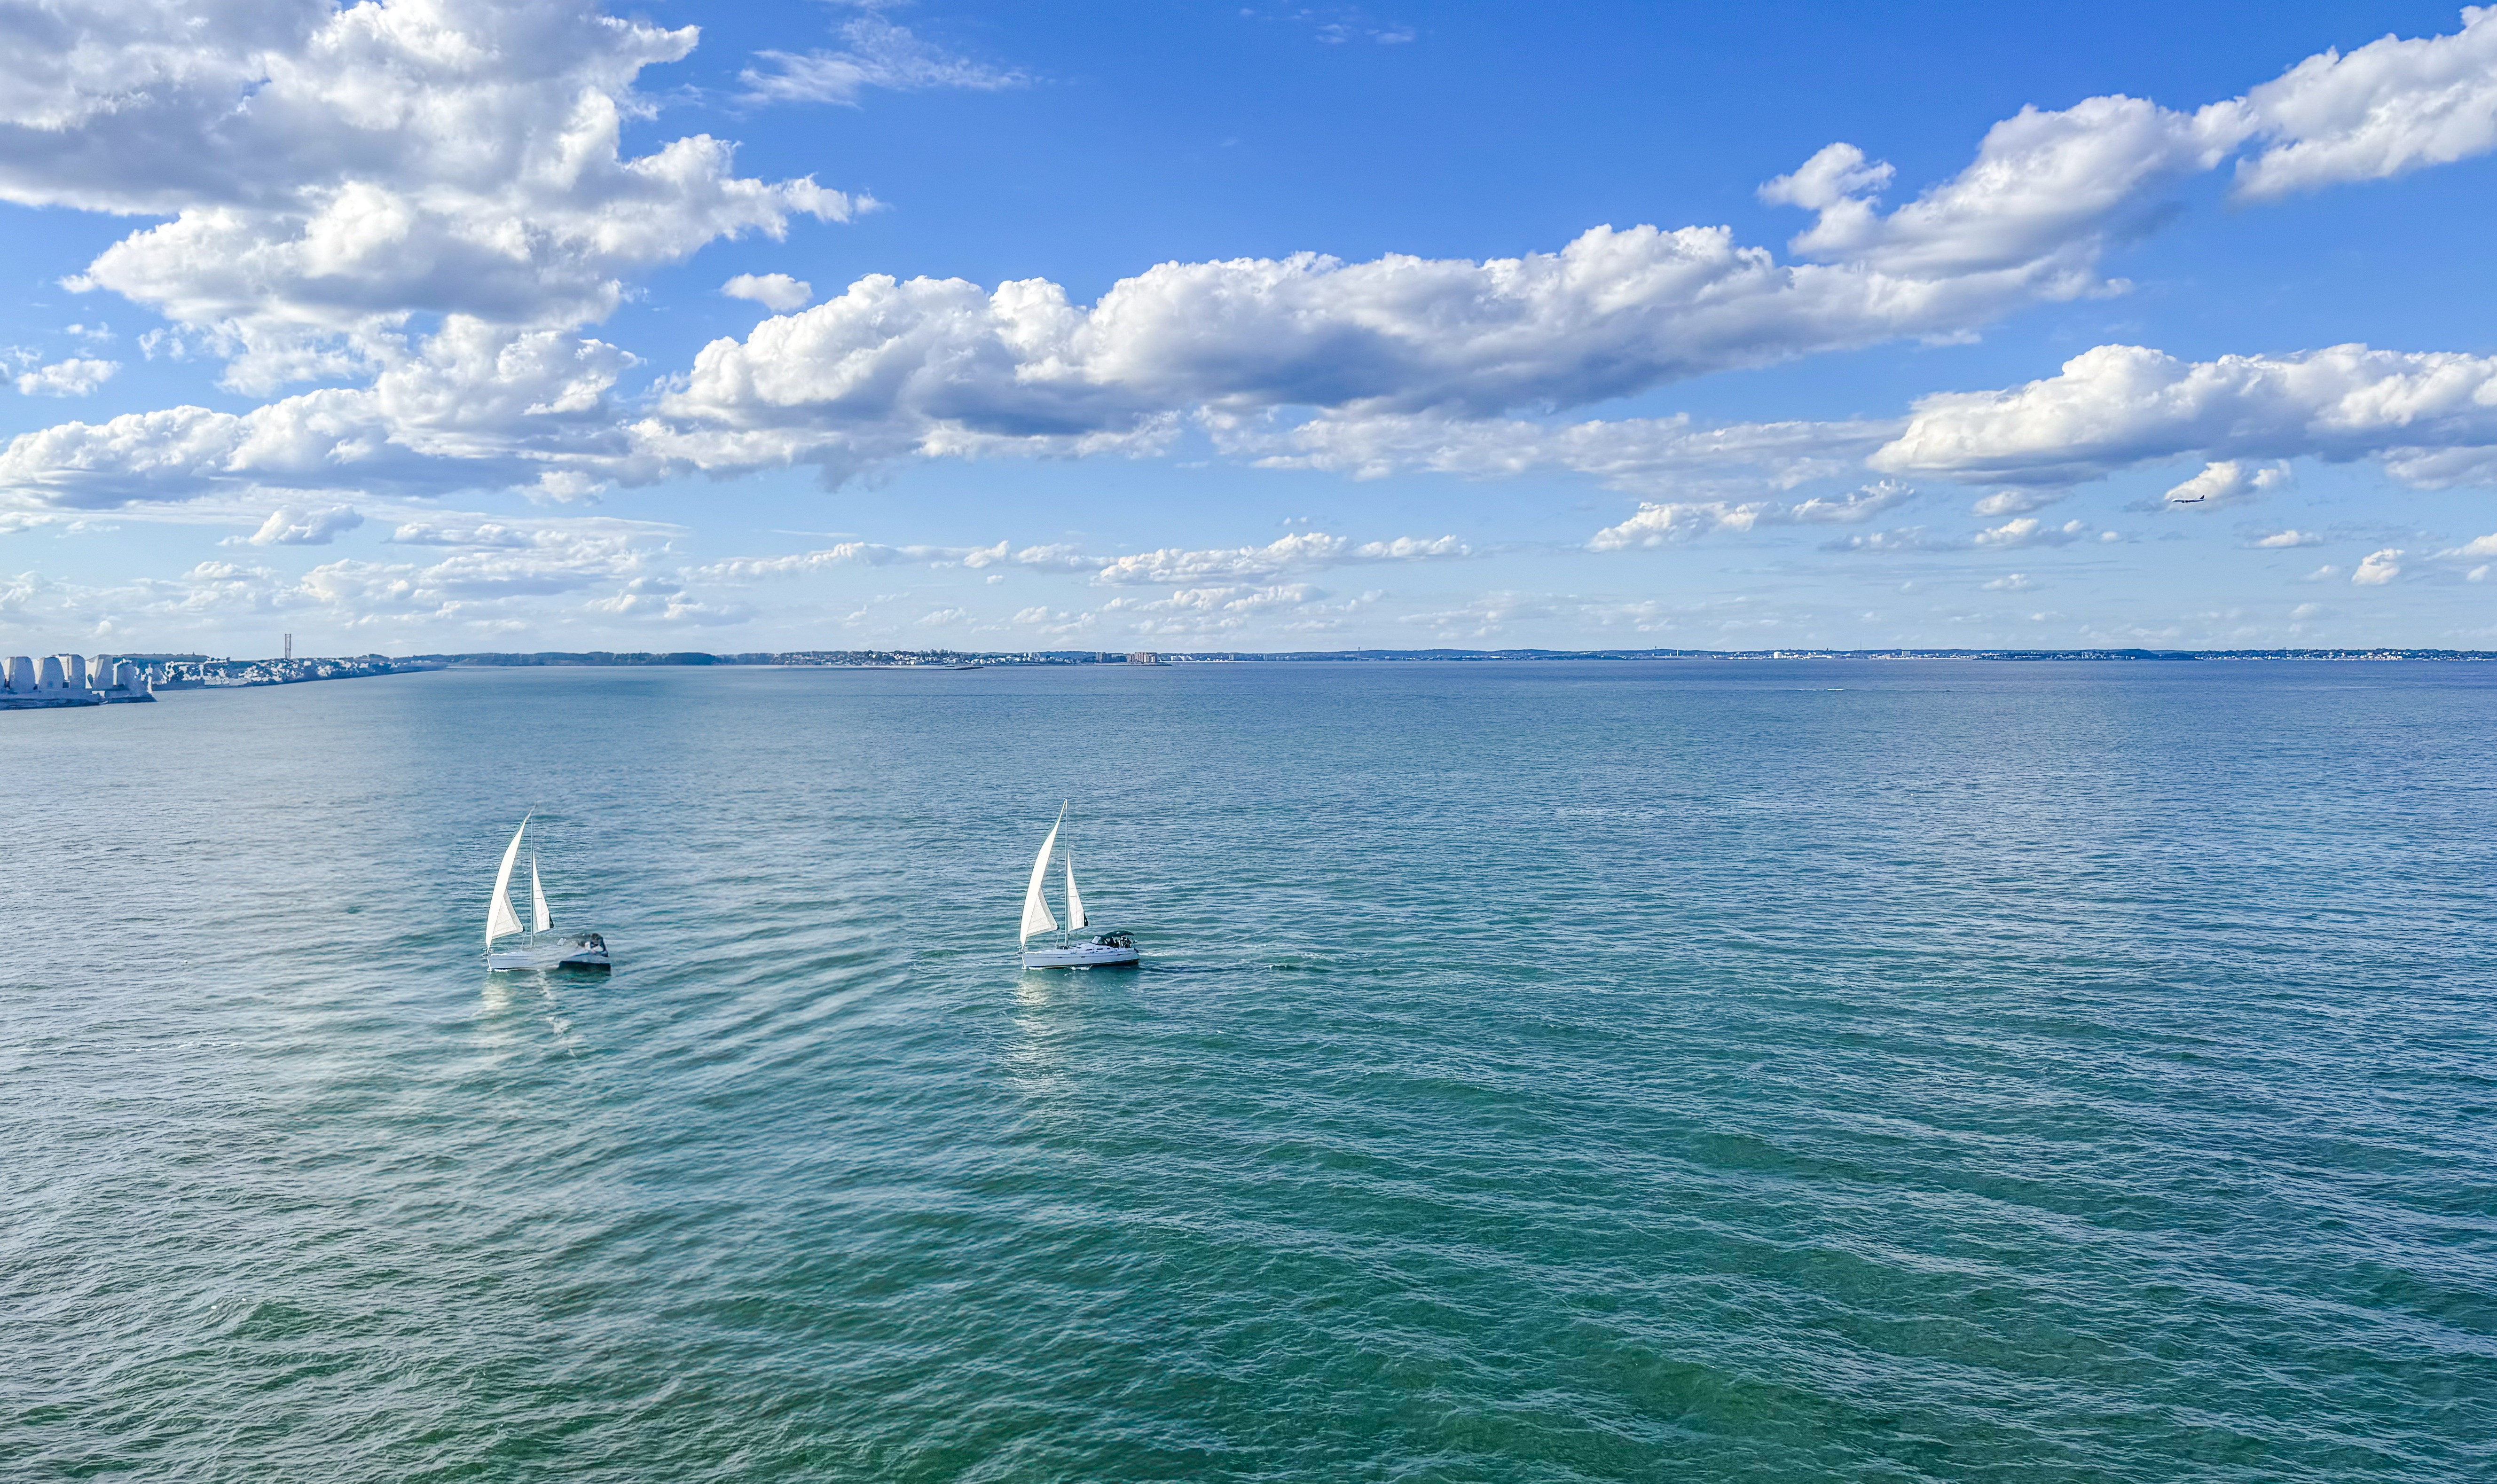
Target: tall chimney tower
{"x": 290, "y": 646}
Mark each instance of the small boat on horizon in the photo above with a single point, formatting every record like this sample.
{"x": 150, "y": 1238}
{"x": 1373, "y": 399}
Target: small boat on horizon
{"x": 1108, "y": 950}
{"x": 543, "y": 947}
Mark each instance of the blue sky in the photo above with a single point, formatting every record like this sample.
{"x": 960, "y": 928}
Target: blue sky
{"x": 461, "y": 325}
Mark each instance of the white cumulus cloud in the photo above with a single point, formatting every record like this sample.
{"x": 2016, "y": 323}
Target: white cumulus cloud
{"x": 1907, "y": 538}
{"x": 2379, "y": 568}
{"x": 2029, "y": 531}
{"x": 2391, "y": 106}
{"x": 73, "y": 377}
{"x": 2478, "y": 546}
{"x": 2430, "y": 416}
{"x": 2228, "y": 480}
{"x": 2049, "y": 184}
{"x": 1662, "y": 523}
{"x": 295, "y": 525}
{"x": 1630, "y": 453}
{"x": 1211, "y": 612}
{"x": 778, "y": 291}
{"x": 2013, "y": 502}
{"x": 893, "y": 366}
{"x": 459, "y": 157}
{"x": 661, "y": 600}
{"x": 2045, "y": 191}
{"x": 1304, "y": 548}
{"x": 475, "y": 404}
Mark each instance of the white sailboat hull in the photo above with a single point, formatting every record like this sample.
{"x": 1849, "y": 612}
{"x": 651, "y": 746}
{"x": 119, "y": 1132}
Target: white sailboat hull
{"x": 552, "y": 950}
{"x": 1079, "y": 956}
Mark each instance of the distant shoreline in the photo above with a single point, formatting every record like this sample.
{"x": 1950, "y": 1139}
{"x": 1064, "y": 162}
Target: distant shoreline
{"x": 266, "y": 672}
{"x": 195, "y": 672}
{"x": 926, "y": 659}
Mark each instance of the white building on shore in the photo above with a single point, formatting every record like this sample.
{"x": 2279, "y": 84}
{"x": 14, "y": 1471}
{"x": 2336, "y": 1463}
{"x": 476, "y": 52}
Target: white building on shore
{"x": 68, "y": 679}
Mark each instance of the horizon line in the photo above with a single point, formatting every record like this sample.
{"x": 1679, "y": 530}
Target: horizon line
{"x": 890, "y": 656}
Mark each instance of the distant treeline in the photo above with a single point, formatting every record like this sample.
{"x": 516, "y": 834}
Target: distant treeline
{"x": 790, "y": 657}
{"x": 1900, "y": 654}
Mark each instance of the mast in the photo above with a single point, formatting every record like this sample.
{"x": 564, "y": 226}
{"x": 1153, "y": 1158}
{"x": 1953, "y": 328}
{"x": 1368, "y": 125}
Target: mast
{"x": 1074, "y": 903}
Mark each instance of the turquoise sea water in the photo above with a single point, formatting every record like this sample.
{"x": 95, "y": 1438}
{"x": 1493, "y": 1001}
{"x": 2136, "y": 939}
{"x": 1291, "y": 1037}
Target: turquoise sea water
{"x": 1564, "y": 1071}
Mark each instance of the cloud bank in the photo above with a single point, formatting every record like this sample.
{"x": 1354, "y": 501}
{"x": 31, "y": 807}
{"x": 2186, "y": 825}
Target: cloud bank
{"x": 331, "y": 172}
{"x": 461, "y": 159}
{"x": 1300, "y": 552}
{"x": 2430, "y": 417}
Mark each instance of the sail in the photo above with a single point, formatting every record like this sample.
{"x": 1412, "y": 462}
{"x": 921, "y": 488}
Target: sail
{"x": 1036, "y": 917}
{"x": 499, "y": 917}
{"x": 540, "y": 919}
{"x": 1075, "y": 917}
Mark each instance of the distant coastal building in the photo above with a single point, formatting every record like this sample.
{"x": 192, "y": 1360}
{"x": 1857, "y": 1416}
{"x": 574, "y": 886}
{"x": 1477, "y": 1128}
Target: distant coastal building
{"x": 1144, "y": 657}
{"x": 198, "y": 672}
{"x": 68, "y": 679}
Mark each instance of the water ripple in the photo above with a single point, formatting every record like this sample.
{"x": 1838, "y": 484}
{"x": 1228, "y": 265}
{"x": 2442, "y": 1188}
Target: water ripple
{"x": 1885, "y": 1071}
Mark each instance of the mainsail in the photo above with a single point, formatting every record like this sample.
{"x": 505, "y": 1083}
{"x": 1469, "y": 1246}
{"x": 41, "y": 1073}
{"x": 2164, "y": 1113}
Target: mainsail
{"x": 1037, "y": 916}
{"x": 499, "y": 916}
{"x": 1075, "y": 918}
{"x": 540, "y": 919}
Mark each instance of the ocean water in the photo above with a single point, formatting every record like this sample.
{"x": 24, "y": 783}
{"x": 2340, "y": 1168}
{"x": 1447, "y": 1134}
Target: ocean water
{"x": 1565, "y": 1071}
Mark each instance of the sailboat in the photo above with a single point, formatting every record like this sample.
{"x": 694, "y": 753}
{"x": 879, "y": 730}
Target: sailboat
{"x": 543, "y": 947}
{"x": 1110, "y": 948}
